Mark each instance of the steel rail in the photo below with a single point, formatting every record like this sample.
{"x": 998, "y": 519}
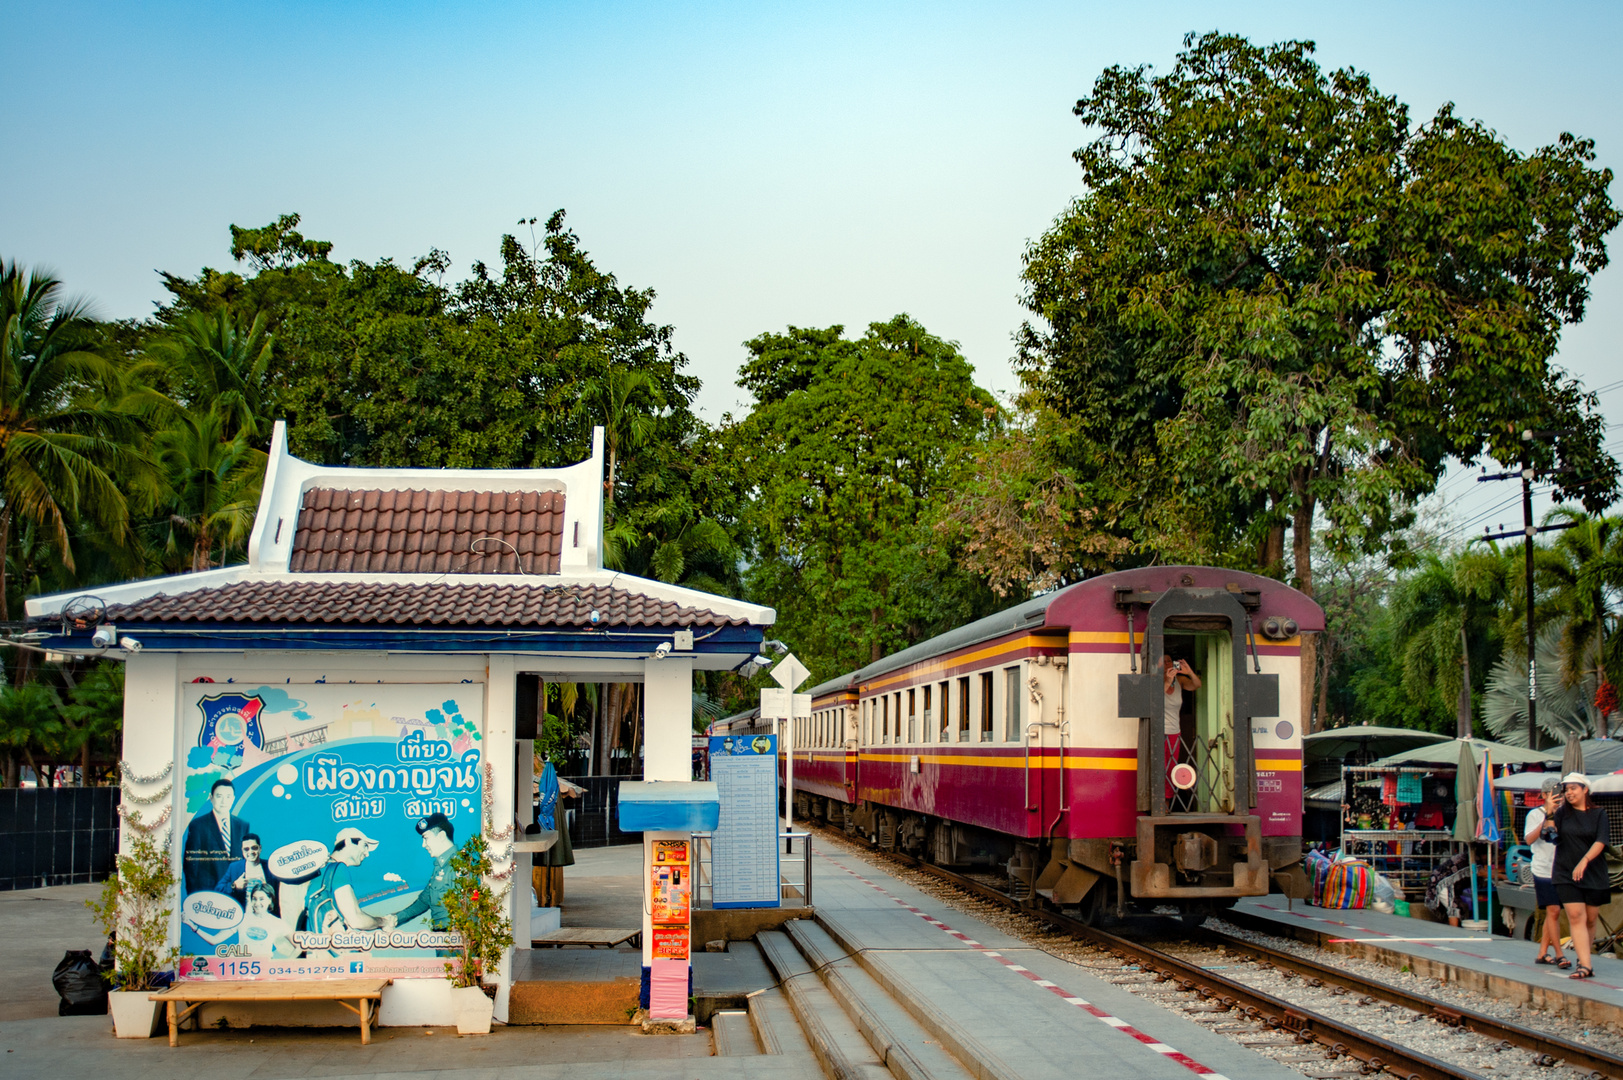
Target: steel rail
{"x": 1551, "y": 1048}
{"x": 1374, "y": 1053}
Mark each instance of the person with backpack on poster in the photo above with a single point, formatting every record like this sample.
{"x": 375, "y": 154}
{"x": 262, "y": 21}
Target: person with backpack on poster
{"x": 330, "y": 906}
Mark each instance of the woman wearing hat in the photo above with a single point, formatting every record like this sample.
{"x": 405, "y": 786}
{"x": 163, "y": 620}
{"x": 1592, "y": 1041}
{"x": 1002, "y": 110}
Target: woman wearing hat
{"x": 1582, "y": 881}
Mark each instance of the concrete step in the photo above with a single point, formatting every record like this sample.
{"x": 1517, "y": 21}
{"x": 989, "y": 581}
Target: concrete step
{"x": 971, "y": 1053}
{"x": 901, "y": 1042}
{"x": 776, "y": 1028}
{"x": 840, "y": 1048}
{"x": 734, "y": 1036}
{"x": 574, "y": 986}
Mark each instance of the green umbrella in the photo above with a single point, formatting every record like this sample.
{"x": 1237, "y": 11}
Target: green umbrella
{"x": 1465, "y": 782}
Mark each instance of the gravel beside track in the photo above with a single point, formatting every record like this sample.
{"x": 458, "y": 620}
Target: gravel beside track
{"x": 1461, "y": 1048}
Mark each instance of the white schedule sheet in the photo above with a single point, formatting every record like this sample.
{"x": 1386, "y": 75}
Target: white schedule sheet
{"x": 744, "y": 853}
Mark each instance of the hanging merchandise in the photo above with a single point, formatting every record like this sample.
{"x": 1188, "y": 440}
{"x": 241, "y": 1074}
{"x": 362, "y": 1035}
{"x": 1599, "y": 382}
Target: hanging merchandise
{"x": 1389, "y": 790}
{"x": 1409, "y": 788}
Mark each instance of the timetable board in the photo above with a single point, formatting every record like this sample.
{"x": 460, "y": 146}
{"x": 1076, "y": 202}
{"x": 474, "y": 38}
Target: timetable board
{"x": 744, "y": 852}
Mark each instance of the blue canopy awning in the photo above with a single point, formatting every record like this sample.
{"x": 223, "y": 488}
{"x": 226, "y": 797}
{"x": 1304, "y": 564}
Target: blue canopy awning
{"x": 669, "y": 806}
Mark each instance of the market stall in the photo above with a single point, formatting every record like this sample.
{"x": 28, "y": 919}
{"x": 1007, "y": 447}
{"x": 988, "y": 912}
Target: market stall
{"x": 1399, "y": 813}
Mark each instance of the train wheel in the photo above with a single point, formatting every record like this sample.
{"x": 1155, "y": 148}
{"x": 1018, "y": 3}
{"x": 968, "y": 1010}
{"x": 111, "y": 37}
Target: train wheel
{"x": 1098, "y": 907}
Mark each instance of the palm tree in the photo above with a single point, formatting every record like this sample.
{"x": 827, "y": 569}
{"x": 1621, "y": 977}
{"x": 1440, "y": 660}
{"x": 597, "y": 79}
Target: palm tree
{"x": 59, "y": 445}
{"x": 220, "y": 364}
{"x": 1442, "y": 612}
{"x": 1583, "y": 572}
{"x": 624, "y": 401}
{"x": 214, "y": 486}
{"x": 1565, "y": 709}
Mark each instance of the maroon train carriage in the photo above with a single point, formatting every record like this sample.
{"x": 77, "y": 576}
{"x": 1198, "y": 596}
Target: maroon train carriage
{"x": 1032, "y": 742}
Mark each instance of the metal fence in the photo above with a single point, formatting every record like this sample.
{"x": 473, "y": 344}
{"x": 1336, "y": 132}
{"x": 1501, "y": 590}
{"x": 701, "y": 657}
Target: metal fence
{"x": 57, "y": 836}
{"x": 794, "y": 870}
{"x": 592, "y": 815}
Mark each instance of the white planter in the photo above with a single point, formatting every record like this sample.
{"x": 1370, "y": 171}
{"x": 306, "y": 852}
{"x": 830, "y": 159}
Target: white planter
{"x": 134, "y": 1015}
{"x": 472, "y": 1009}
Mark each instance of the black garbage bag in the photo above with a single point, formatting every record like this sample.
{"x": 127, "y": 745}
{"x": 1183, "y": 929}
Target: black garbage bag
{"x": 78, "y": 980}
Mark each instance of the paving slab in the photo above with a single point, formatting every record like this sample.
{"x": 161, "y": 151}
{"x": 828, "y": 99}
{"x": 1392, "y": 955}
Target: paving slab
{"x": 1476, "y": 960}
{"x": 36, "y": 927}
{"x": 1039, "y": 1016}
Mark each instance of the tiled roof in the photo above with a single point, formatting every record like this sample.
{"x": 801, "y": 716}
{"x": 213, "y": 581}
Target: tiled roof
{"x": 428, "y": 532}
{"x": 392, "y": 604}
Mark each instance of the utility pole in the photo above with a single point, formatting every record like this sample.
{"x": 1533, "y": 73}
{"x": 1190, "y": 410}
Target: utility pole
{"x": 1528, "y": 474}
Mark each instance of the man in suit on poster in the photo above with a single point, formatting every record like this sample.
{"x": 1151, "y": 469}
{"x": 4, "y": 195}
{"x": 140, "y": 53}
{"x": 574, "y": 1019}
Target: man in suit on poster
{"x": 213, "y": 839}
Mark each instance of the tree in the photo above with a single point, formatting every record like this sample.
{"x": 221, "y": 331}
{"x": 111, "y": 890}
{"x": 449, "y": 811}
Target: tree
{"x": 219, "y": 364}
{"x": 1582, "y": 572}
{"x": 839, "y": 464}
{"x": 1277, "y": 302}
{"x": 60, "y": 447}
{"x": 1444, "y": 613}
{"x": 214, "y": 485}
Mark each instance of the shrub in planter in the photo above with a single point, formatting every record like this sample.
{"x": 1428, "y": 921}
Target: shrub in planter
{"x": 133, "y": 910}
{"x": 477, "y": 913}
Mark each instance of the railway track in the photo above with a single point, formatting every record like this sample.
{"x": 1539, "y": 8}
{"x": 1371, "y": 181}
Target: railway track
{"x": 1335, "y": 1038}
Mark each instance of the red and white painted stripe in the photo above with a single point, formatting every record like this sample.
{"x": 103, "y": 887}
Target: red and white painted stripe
{"x": 1064, "y": 995}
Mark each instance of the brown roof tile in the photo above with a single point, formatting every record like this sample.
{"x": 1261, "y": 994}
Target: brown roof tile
{"x": 371, "y": 531}
{"x": 391, "y": 604}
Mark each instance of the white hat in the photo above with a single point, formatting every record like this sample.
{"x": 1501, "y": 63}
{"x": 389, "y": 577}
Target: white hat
{"x": 1575, "y": 778}
{"x": 350, "y": 837}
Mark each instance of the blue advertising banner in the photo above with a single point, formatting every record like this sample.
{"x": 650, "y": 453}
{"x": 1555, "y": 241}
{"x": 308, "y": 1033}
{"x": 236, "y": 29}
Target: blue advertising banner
{"x": 744, "y": 853}
{"x": 319, "y": 824}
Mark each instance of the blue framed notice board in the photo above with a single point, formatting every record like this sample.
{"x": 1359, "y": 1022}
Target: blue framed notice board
{"x": 744, "y": 853}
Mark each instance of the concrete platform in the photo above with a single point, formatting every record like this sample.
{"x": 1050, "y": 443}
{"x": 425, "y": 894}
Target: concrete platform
{"x": 1493, "y": 965}
{"x": 1006, "y": 1010}
{"x": 604, "y": 887}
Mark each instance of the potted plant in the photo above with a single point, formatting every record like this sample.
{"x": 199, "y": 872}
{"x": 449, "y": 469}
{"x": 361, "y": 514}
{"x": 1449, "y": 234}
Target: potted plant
{"x": 477, "y": 913}
{"x": 133, "y": 911}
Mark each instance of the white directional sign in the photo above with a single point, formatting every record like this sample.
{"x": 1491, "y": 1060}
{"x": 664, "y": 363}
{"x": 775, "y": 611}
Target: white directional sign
{"x": 776, "y": 704}
{"x": 802, "y": 708}
{"x": 790, "y": 673}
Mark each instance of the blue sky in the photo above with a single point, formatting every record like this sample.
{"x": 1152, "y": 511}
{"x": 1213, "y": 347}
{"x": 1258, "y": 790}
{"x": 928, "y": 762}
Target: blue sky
{"x": 758, "y": 165}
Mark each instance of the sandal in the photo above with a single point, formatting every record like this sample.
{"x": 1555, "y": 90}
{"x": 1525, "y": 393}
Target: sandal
{"x": 1546, "y": 960}
{"x": 1582, "y": 973}
{"x": 1563, "y": 962}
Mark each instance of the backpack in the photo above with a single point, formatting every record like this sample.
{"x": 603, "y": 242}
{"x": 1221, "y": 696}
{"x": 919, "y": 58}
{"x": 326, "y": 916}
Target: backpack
{"x": 321, "y": 914}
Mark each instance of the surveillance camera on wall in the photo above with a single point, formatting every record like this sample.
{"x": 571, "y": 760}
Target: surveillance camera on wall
{"x": 129, "y": 644}
{"x": 105, "y": 637}
{"x": 662, "y": 650}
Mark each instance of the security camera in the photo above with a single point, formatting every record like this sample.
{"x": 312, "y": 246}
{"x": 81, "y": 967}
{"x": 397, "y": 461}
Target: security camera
{"x": 105, "y": 637}
{"x": 662, "y": 650}
{"x": 595, "y": 617}
{"x": 129, "y": 644}
{"x": 776, "y": 646}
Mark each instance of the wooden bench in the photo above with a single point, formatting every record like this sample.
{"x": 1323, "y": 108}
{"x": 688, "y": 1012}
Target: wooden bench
{"x": 590, "y": 936}
{"x": 184, "y": 998}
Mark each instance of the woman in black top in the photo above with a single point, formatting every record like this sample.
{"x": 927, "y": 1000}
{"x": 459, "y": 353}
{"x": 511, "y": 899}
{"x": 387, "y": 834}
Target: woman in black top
{"x": 1582, "y": 881}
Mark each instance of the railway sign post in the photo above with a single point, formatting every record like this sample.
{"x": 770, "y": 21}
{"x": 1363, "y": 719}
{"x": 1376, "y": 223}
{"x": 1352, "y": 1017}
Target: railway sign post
{"x": 788, "y": 706}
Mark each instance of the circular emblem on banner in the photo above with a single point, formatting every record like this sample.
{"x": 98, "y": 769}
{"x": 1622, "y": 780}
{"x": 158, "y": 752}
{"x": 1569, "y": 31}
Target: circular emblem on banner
{"x": 1183, "y": 776}
{"x": 1284, "y": 730}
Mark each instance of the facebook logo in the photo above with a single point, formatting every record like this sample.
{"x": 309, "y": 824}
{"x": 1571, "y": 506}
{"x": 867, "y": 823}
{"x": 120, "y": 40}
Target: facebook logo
{"x": 357, "y": 967}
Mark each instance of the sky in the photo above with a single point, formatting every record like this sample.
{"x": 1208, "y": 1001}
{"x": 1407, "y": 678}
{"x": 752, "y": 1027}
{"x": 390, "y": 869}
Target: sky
{"x": 757, "y": 165}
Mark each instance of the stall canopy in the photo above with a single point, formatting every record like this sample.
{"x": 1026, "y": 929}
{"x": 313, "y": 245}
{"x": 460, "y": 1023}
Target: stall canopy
{"x": 1363, "y": 738}
{"x": 1446, "y": 755}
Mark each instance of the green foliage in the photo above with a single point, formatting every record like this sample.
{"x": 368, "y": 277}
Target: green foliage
{"x": 1278, "y": 299}
{"x": 839, "y": 463}
{"x": 1581, "y": 578}
{"x": 1445, "y": 628}
{"x": 478, "y": 914}
{"x": 134, "y": 907}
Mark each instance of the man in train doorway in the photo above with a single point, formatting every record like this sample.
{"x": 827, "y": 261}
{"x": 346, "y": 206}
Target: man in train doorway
{"x": 1176, "y": 677}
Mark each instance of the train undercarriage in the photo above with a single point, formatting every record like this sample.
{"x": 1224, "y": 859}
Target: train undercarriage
{"x": 1196, "y": 866}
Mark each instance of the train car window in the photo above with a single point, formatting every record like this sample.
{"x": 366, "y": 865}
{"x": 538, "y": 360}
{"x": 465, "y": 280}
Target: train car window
{"x": 1012, "y": 680}
{"x": 898, "y": 732}
{"x": 986, "y": 706}
{"x": 963, "y": 707}
{"x": 884, "y": 718}
{"x": 926, "y": 725}
{"x": 912, "y": 715}
{"x": 942, "y": 711}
